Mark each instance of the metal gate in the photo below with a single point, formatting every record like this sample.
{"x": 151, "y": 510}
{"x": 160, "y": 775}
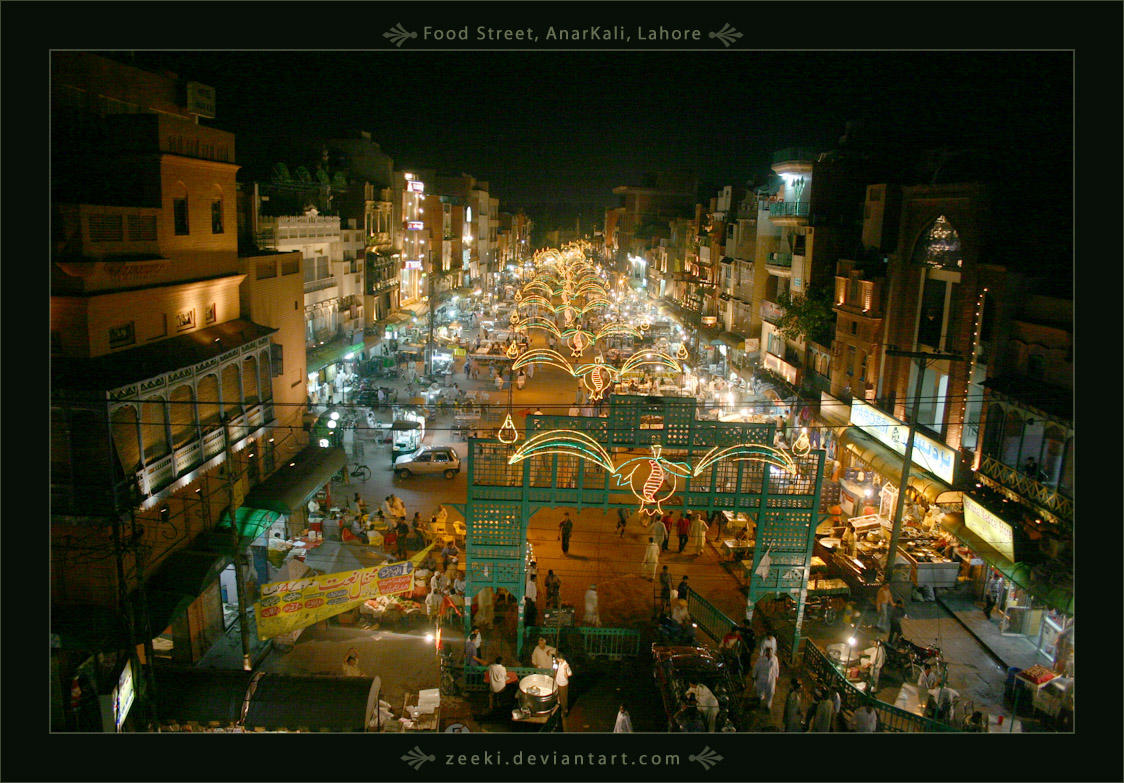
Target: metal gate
{"x": 502, "y": 496}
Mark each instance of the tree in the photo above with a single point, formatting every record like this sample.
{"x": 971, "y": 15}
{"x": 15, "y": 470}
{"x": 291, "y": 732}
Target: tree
{"x": 807, "y": 316}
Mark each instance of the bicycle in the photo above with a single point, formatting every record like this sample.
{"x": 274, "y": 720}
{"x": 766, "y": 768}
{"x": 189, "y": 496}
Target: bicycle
{"x": 449, "y": 684}
{"x": 358, "y": 470}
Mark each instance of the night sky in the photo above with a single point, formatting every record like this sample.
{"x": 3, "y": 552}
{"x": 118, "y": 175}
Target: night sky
{"x": 566, "y": 127}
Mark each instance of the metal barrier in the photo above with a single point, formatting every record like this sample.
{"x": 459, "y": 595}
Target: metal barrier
{"x": 709, "y": 618}
{"x": 890, "y": 718}
{"x": 476, "y": 677}
{"x": 611, "y": 643}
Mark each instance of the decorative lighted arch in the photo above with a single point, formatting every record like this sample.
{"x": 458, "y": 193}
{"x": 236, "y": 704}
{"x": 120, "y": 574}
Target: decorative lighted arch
{"x": 939, "y": 246}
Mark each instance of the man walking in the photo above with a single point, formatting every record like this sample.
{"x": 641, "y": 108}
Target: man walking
{"x": 682, "y": 526}
{"x": 665, "y": 589}
{"x": 553, "y": 589}
{"x": 765, "y": 673}
{"x": 682, "y": 590}
{"x": 897, "y": 614}
{"x": 707, "y": 703}
{"x": 530, "y": 595}
{"x": 565, "y": 528}
{"x": 992, "y": 593}
{"x": 562, "y": 677}
{"x": 698, "y": 532}
{"x": 882, "y": 603}
{"x": 793, "y": 708}
{"x": 659, "y": 533}
{"x": 622, "y": 520}
{"x": 591, "y": 615}
{"x": 651, "y": 559}
{"x": 665, "y": 523}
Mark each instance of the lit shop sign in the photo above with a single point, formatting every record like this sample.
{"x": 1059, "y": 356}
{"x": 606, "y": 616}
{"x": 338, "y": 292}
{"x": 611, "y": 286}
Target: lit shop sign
{"x": 412, "y": 264}
{"x": 414, "y": 225}
{"x": 990, "y": 528}
{"x": 928, "y": 454}
{"x": 781, "y": 368}
{"x": 416, "y": 186}
{"x": 116, "y": 704}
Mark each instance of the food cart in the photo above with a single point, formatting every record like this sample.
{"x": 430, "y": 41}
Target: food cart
{"x": 406, "y": 431}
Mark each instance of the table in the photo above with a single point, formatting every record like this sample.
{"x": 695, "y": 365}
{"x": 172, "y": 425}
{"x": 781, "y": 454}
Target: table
{"x": 734, "y": 549}
{"x": 424, "y": 722}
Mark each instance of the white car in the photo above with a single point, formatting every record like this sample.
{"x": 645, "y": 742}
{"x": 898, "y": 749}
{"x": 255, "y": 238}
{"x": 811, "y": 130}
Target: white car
{"x": 428, "y": 459}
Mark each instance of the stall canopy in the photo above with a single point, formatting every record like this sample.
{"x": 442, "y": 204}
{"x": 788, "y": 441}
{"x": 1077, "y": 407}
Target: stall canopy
{"x": 256, "y": 700}
{"x": 180, "y": 579}
{"x": 294, "y": 483}
{"x": 250, "y": 523}
{"x": 1026, "y": 573}
{"x": 889, "y": 464}
{"x": 332, "y": 352}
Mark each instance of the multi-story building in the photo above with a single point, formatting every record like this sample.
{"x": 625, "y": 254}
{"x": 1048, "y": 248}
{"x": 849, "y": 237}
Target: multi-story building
{"x": 641, "y": 217}
{"x": 176, "y": 361}
{"x": 738, "y": 317}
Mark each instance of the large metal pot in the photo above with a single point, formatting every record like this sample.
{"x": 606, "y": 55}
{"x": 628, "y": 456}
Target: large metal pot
{"x": 537, "y": 694}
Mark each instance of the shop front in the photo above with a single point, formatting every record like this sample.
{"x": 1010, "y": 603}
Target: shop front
{"x": 332, "y": 371}
{"x": 1035, "y": 593}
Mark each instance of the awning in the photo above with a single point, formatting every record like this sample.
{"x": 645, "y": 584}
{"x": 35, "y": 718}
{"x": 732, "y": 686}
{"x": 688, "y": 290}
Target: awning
{"x": 735, "y": 341}
{"x": 181, "y": 578}
{"x": 1057, "y": 595}
{"x": 290, "y": 487}
{"x": 888, "y": 463}
{"x": 333, "y": 352}
{"x": 727, "y": 260}
{"x": 250, "y": 522}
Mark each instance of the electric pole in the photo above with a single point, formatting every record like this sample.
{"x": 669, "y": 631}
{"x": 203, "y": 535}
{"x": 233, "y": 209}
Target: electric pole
{"x": 899, "y": 506}
{"x": 239, "y": 555}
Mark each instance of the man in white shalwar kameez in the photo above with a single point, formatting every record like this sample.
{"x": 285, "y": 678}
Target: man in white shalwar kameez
{"x": 765, "y": 673}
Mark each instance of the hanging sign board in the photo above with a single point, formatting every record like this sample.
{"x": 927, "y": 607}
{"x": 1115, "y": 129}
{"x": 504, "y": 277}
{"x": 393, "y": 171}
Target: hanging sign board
{"x": 928, "y": 454}
{"x": 990, "y": 528}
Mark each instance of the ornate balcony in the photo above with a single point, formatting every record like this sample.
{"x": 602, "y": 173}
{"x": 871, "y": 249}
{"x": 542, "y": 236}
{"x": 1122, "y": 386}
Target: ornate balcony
{"x": 1046, "y": 498}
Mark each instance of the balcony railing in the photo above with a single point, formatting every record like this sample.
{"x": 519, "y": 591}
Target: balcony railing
{"x": 771, "y": 311}
{"x": 1037, "y": 493}
{"x": 788, "y": 209}
{"x": 779, "y": 259}
{"x": 319, "y": 285}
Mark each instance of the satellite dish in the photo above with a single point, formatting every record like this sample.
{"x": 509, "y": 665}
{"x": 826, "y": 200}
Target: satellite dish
{"x": 371, "y": 718}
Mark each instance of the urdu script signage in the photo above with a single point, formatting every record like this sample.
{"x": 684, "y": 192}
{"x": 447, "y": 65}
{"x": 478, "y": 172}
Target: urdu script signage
{"x": 990, "y": 528}
{"x": 928, "y": 454}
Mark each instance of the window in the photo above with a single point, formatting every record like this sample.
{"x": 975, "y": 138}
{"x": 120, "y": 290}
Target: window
{"x": 266, "y": 268}
{"x": 854, "y": 327}
{"x": 123, "y": 335}
{"x": 850, "y": 360}
{"x": 939, "y": 246}
{"x": 277, "y": 357}
{"x": 216, "y": 215}
{"x": 179, "y": 214}
{"x": 291, "y": 266}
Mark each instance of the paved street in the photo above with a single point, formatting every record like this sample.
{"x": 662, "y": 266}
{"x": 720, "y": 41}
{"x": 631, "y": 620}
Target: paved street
{"x": 598, "y": 555}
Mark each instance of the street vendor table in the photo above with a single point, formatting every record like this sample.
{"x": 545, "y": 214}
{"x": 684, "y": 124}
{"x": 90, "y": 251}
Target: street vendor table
{"x": 826, "y": 586}
{"x": 520, "y": 717}
{"x": 424, "y": 721}
{"x": 732, "y": 549}
{"x": 736, "y": 521}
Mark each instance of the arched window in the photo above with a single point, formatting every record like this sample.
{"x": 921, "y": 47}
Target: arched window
{"x": 250, "y": 381}
{"x": 208, "y": 391}
{"x": 216, "y": 210}
{"x": 939, "y": 246}
{"x": 992, "y": 421}
{"x": 1065, "y": 482}
{"x": 266, "y": 386}
{"x": 154, "y": 429}
{"x": 1053, "y": 450}
{"x": 231, "y": 391}
{"x": 179, "y": 209}
{"x": 1012, "y": 439}
{"x": 181, "y": 413}
{"x": 124, "y": 423}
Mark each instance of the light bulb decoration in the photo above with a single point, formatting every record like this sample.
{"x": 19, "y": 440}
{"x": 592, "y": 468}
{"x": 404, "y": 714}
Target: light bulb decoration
{"x": 652, "y": 479}
{"x": 611, "y": 329}
{"x": 508, "y": 434}
{"x": 518, "y": 296}
{"x": 645, "y": 324}
{"x": 512, "y": 350}
{"x": 545, "y": 356}
{"x": 578, "y": 343}
{"x": 514, "y": 319}
{"x": 682, "y": 354}
{"x": 802, "y": 445}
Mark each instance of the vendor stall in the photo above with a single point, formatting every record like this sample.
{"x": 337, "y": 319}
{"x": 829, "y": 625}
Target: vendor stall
{"x": 407, "y": 431}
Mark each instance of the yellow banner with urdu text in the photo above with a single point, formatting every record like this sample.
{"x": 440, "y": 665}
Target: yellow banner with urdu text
{"x": 297, "y": 603}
